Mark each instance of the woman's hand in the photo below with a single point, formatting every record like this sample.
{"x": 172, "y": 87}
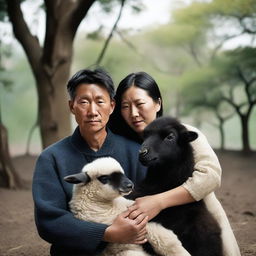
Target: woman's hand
{"x": 126, "y": 230}
{"x": 152, "y": 205}
{"x": 148, "y": 205}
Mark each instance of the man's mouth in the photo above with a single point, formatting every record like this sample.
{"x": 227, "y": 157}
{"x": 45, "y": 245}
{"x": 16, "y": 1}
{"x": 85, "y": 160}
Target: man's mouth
{"x": 93, "y": 121}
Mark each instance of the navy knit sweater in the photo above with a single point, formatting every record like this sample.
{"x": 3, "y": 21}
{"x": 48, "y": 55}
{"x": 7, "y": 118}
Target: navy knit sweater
{"x": 51, "y": 194}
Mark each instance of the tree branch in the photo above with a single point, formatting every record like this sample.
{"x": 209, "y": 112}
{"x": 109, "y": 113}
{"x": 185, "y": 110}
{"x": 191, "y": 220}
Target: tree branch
{"x": 127, "y": 42}
{"x": 218, "y": 47}
{"x": 230, "y": 102}
{"x": 247, "y": 84}
{"x": 23, "y": 34}
{"x": 102, "y": 53}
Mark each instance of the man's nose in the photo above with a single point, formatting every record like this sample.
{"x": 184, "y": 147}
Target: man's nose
{"x": 93, "y": 110}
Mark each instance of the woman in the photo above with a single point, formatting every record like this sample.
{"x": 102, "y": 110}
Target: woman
{"x": 139, "y": 102}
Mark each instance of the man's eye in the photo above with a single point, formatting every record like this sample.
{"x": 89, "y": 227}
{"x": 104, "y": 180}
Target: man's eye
{"x": 103, "y": 179}
{"x": 124, "y": 106}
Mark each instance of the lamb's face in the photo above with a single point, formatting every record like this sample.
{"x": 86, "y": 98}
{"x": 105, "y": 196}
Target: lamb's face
{"x": 164, "y": 140}
{"x": 103, "y": 179}
{"x": 113, "y": 185}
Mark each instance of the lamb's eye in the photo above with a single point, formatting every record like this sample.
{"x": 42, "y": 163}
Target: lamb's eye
{"x": 171, "y": 136}
{"x": 103, "y": 179}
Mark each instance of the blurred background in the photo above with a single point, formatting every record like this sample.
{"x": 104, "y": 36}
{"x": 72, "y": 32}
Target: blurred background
{"x": 202, "y": 53}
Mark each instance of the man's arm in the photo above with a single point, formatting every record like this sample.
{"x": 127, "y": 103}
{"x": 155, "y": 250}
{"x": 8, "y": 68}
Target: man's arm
{"x": 54, "y": 222}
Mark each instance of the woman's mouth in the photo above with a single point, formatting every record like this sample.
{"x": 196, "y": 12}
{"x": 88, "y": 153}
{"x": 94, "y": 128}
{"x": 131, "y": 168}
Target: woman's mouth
{"x": 137, "y": 123}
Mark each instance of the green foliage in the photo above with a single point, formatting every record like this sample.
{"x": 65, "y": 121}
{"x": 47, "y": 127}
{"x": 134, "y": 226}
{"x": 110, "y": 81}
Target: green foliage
{"x": 188, "y": 25}
{"x": 236, "y": 8}
{"x": 3, "y": 10}
{"x": 96, "y": 34}
{"x": 166, "y": 54}
{"x": 207, "y": 86}
{"x": 107, "y": 5}
{"x": 19, "y": 102}
{"x": 237, "y": 67}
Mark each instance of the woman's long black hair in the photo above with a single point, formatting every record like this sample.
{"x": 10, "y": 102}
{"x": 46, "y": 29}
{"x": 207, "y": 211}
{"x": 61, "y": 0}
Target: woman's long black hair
{"x": 141, "y": 80}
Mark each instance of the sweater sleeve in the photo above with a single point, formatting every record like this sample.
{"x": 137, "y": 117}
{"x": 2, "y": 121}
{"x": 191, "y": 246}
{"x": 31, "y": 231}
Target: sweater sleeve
{"x": 55, "y": 223}
{"x": 207, "y": 170}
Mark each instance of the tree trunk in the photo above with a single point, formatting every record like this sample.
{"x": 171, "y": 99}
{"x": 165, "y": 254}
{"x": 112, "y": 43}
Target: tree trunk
{"x": 51, "y": 62}
{"x": 8, "y": 176}
{"x": 222, "y": 135}
{"x": 54, "y": 121}
{"x": 245, "y": 134}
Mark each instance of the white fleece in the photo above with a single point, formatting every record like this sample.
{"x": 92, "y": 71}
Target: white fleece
{"x": 100, "y": 203}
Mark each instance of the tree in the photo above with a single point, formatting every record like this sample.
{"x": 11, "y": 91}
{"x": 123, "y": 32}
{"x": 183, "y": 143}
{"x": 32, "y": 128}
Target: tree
{"x": 231, "y": 79}
{"x": 237, "y": 72}
{"x": 201, "y": 92}
{"x": 9, "y": 178}
{"x": 51, "y": 62}
{"x": 202, "y": 28}
{"x": 195, "y": 28}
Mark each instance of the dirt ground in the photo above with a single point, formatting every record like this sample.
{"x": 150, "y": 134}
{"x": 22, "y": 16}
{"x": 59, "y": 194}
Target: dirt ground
{"x": 18, "y": 236}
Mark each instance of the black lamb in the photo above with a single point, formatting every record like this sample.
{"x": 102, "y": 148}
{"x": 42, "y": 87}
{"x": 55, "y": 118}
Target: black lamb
{"x": 167, "y": 153}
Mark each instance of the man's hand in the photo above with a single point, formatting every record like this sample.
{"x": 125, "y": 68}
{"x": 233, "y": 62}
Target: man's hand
{"x": 147, "y": 205}
{"x": 126, "y": 230}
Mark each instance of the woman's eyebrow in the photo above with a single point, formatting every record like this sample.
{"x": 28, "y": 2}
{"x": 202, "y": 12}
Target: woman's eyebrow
{"x": 126, "y": 101}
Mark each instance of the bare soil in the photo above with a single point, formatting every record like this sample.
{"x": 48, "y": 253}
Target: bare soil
{"x": 18, "y": 235}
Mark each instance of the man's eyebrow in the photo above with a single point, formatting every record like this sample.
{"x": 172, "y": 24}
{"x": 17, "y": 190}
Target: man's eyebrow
{"x": 87, "y": 96}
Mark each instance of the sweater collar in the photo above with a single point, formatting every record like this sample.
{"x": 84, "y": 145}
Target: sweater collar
{"x": 80, "y": 143}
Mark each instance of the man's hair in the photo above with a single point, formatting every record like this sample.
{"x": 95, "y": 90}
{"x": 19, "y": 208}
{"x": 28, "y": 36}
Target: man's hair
{"x": 86, "y": 76}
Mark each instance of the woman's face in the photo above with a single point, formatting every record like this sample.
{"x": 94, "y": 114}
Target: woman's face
{"x": 138, "y": 108}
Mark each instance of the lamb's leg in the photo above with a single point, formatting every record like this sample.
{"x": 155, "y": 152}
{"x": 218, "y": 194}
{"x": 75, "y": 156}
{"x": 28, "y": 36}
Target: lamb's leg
{"x": 116, "y": 249}
{"x": 128, "y": 253}
{"x": 164, "y": 241}
{"x": 132, "y": 253}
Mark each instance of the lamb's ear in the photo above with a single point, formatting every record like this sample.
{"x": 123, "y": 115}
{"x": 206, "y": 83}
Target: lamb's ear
{"x": 188, "y": 136}
{"x": 81, "y": 177}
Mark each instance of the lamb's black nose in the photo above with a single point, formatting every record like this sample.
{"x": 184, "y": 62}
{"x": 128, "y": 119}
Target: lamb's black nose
{"x": 143, "y": 151}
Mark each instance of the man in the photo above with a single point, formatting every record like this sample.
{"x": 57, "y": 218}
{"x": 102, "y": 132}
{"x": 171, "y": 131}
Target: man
{"x": 91, "y": 102}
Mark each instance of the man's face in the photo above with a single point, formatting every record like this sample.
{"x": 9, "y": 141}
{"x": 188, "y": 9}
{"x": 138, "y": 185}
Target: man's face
{"x": 92, "y": 107}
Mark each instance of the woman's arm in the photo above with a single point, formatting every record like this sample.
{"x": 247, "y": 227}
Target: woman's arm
{"x": 207, "y": 170}
{"x": 152, "y": 205}
{"x": 205, "y": 179}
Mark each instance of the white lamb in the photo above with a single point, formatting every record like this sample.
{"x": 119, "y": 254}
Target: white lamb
{"x": 98, "y": 197}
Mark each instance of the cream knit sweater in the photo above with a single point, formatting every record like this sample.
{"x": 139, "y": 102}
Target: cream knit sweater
{"x": 205, "y": 179}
